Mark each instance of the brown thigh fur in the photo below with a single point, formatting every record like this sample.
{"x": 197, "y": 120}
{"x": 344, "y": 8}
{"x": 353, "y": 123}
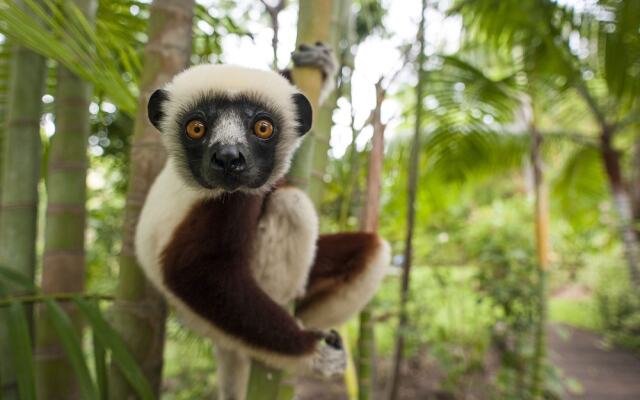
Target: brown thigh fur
{"x": 341, "y": 258}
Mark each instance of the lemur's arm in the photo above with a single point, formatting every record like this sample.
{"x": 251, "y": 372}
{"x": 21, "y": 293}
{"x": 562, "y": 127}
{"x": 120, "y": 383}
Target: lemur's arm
{"x": 319, "y": 56}
{"x": 207, "y": 267}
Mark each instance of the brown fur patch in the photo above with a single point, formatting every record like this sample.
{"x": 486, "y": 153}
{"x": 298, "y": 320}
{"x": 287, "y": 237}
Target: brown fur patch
{"x": 340, "y": 259}
{"x": 206, "y": 265}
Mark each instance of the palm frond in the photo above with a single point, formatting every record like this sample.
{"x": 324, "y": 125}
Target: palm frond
{"x": 619, "y": 41}
{"x": 59, "y": 30}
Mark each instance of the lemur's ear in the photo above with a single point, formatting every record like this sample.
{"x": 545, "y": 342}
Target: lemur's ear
{"x": 154, "y": 108}
{"x": 304, "y": 113}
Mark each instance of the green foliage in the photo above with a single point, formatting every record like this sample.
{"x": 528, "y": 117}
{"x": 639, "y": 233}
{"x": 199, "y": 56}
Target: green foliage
{"x": 618, "y": 306}
{"x": 59, "y": 30}
{"x": 106, "y": 340}
{"x": 447, "y": 317}
{"x": 369, "y": 16}
{"x": 195, "y": 379}
{"x": 508, "y": 278}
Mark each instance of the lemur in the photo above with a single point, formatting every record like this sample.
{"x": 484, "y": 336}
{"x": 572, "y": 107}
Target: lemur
{"x": 229, "y": 244}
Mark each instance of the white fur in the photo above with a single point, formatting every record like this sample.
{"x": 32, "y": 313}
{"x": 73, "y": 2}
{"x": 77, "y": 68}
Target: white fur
{"x": 168, "y": 203}
{"x": 285, "y": 245}
{"x": 349, "y": 299}
{"x": 229, "y": 130}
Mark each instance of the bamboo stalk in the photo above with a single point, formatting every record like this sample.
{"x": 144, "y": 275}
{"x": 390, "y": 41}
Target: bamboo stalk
{"x": 20, "y": 177}
{"x": 314, "y": 23}
{"x": 63, "y": 267}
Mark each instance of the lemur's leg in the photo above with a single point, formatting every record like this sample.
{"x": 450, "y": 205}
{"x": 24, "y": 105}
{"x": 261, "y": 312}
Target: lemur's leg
{"x": 318, "y": 56}
{"x": 233, "y": 374}
{"x": 346, "y": 273}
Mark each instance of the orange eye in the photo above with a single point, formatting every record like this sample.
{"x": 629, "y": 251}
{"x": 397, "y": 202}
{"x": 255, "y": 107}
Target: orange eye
{"x": 196, "y": 129}
{"x": 263, "y": 129}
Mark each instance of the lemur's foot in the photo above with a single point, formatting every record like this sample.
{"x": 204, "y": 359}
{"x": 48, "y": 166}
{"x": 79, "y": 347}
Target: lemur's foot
{"x": 319, "y": 55}
{"x": 330, "y": 358}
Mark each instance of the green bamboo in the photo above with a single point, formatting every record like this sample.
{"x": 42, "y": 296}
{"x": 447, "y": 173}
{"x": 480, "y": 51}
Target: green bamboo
{"x": 20, "y": 177}
{"x": 340, "y": 29}
{"x": 264, "y": 382}
{"x": 4, "y": 61}
{"x": 366, "y": 354}
{"x": 314, "y": 25}
{"x": 139, "y": 311}
{"x": 635, "y": 183}
{"x": 63, "y": 267}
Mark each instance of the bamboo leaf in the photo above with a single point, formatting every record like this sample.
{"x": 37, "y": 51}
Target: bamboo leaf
{"x": 100, "y": 359}
{"x": 120, "y": 355}
{"x": 72, "y": 346}
{"x": 20, "y": 340}
{"x": 11, "y": 276}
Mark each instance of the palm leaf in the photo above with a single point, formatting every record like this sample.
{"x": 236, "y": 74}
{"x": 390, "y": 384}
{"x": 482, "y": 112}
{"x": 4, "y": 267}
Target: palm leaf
{"x": 619, "y": 40}
{"x": 59, "y": 30}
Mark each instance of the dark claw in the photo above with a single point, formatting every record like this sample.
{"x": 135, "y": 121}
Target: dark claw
{"x": 334, "y": 340}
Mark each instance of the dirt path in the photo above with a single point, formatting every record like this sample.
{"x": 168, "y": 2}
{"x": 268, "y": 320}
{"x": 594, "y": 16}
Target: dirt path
{"x": 603, "y": 374}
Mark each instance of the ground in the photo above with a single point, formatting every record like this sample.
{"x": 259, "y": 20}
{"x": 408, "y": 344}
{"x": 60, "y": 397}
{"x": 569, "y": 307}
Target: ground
{"x": 591, "y": 369}
{"x": 602, "y": 373}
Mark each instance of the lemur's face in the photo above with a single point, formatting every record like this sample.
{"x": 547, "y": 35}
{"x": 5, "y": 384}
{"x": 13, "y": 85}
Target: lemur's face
{"x": 229, "y": 143}
{"x": 230, "y": 140}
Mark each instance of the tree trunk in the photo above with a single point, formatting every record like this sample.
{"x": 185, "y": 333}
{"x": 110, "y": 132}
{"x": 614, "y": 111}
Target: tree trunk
{"x": 541, "y": 217}
{"x": 139, "y": 311}
{"x": 622, "y": 202}
{"x": 411, "y": 214}
{"x": 314, "y": 23}
{"x": 369, "y": 223}
{"x": 63, "y": 268}
{"x": 20, "y": 177}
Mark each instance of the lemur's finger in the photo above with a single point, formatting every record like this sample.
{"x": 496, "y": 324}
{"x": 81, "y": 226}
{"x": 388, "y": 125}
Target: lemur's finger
{"x": 334, "y": 340}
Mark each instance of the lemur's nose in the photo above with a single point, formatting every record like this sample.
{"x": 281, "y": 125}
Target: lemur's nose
{"x": 229, "y": 158}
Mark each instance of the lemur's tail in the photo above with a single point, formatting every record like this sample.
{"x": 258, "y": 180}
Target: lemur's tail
{"x": 345, "y": 275}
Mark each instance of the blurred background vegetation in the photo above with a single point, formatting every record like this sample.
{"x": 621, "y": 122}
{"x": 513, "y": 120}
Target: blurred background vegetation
{"x": 510, "y": 188}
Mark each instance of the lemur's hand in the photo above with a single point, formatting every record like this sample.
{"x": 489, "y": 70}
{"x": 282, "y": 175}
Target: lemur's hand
{"x": 319, "y": 56}
{"x": 330, "y": 357}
